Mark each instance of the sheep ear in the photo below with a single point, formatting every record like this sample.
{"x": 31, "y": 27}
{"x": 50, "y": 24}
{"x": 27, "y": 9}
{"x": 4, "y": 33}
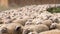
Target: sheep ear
{"x": 17, "y": 28}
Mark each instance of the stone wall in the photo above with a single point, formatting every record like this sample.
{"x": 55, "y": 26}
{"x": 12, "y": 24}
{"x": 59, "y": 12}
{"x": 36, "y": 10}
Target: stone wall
{"x": 32, "y": 2}
{"x": 28, "y": 2}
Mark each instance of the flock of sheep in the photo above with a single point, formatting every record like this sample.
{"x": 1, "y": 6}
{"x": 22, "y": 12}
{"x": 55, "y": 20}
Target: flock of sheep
{"x": 29, "y": 20}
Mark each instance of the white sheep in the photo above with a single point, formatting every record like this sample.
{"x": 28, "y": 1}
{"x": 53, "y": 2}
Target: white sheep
{"x": 32, "y": 33}
{"x": 51, "y": 32}
{"x": 54, "y": 19}
{"x": 22, "y": 21}
{"x": 45, "y": 15}
{"x": 46, "y": 22}
{"x": 37, "y": 21}
{"x": 16, "y": 27}
{"x": 1, "y": 21}
{"x": 12, "y": 28}
{"x": 29, "y": 22}
{"x": 35, "y": 28}
{"x": 55, "y": 26}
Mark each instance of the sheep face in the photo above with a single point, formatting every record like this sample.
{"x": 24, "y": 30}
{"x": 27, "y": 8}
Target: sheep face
{"x": 3, "y": 30}
{"x": 10, "y": 29}
{"x": 16, "y": 29}
{"x": 53, "y": 25}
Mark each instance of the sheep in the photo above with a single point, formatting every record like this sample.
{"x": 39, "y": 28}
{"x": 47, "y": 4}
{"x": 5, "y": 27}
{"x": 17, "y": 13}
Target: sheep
{"x": 13, "y": 28}
{"x": 58, "y": 17}
{"x": 7, "y": 21}
{"x": 37, "y": 20}
{"x": 32, "y": 33}
{"x": 55, "y": 26}
{"x": 16, "y": 28}
{"x": 46, "y": 22}
{"x": 29, "y": 22}
{"x": 3, "y": 29}
{"x": 54, "y": 19}
{"x": 22, "y": 21}
{"x": 45, "y": 15}
{"x": 1, "y": 21}
{"x": 34, "y": 28}
{"x": 51, "y": 32}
